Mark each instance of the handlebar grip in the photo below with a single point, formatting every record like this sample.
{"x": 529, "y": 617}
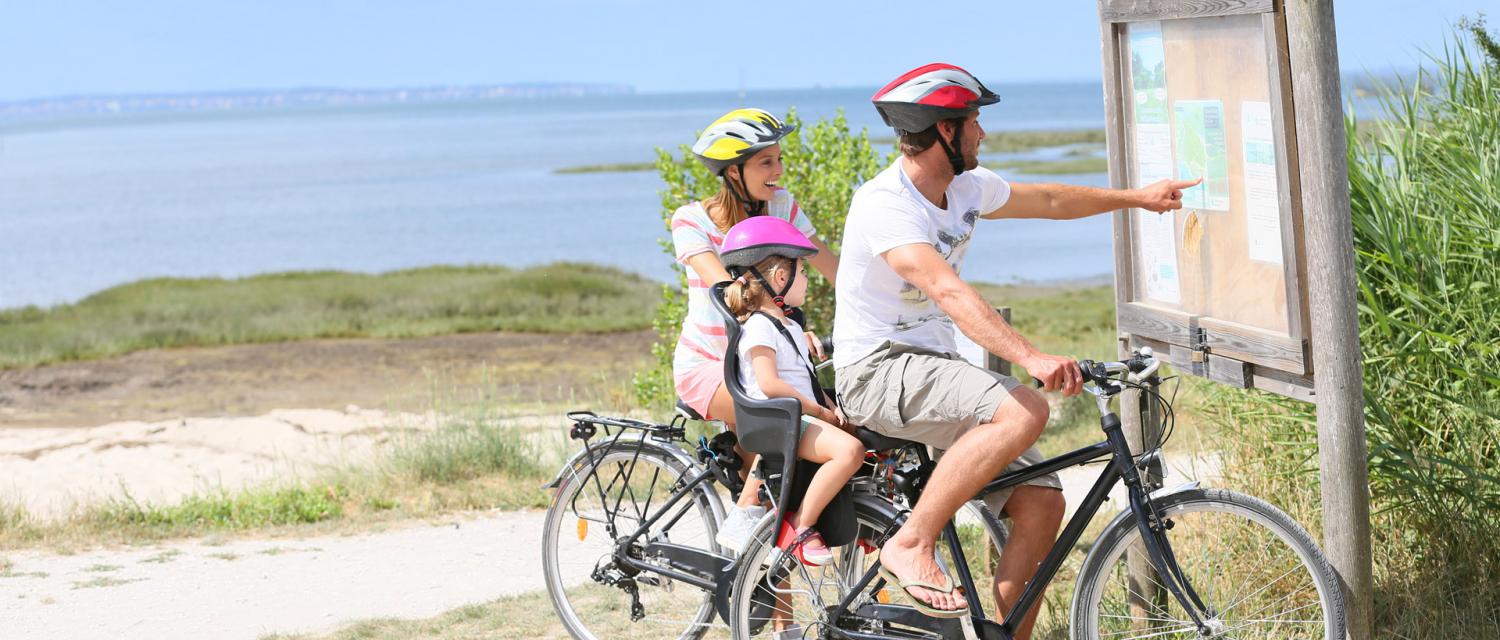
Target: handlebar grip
{"x": 828, "y": 346}
{"x": 1085, "y": 368}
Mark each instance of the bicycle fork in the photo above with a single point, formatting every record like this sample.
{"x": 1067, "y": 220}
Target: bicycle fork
{"x": 1153, "y": 528}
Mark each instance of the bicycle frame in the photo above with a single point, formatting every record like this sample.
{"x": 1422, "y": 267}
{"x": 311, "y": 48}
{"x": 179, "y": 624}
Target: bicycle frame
{"x": 976, "y": 625}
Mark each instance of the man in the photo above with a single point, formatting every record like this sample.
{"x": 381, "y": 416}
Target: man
{"x": 899, "y": 297}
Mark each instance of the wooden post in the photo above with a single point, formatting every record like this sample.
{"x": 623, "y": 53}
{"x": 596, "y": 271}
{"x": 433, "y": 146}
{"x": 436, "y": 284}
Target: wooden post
{"x": 991, "y": 361}
{"x": 1338, "y": 388}
{"x": 999, "y": 365}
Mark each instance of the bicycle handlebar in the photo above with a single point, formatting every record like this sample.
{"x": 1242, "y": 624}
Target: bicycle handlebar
{"x": 1141, "y": 365}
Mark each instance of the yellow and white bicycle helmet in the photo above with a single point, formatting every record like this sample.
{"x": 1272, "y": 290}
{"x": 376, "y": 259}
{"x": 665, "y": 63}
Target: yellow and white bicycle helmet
{"x": 736, "y": 136}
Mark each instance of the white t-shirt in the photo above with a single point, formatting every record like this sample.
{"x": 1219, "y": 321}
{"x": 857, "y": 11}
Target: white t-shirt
{"x": 791, "y": 361}
{"x": 873, "y": 303}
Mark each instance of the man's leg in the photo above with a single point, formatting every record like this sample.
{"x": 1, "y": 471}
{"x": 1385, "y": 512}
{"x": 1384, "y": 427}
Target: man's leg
{"x": 1035, "y": 515}
{"x": 969, "y": 464}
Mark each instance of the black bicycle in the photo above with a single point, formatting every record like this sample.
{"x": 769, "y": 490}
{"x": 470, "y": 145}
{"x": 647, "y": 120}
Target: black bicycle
{"x": 1181, "y": 563}
{"x": 628, "y": 545}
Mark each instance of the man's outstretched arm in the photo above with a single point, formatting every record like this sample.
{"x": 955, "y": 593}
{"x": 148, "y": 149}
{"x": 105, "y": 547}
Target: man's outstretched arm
{"x": 922, "y": 266}
{"x": 1068, "y": 202}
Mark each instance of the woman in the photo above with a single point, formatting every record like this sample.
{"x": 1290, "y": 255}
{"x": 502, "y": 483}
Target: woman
{"x": 742, "y": 148}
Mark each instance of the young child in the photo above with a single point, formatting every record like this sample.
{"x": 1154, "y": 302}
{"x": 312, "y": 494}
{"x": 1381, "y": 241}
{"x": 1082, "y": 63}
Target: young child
{"x": 765, "y": 255}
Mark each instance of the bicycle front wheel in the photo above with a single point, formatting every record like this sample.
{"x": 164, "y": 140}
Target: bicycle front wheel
{"x": 1257, "y": 572}
{"x": 594, "y": 509}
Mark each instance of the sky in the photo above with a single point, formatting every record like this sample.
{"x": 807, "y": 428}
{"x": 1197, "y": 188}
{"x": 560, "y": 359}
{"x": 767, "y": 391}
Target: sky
{"x": 65, "y": 47}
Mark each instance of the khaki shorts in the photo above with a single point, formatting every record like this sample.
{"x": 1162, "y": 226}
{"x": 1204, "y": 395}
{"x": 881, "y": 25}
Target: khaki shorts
{"x": 929, "y": 397}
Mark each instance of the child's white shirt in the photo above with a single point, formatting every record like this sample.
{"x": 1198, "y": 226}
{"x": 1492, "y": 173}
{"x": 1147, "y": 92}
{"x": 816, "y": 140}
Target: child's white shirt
{"x": 792, "y": 360}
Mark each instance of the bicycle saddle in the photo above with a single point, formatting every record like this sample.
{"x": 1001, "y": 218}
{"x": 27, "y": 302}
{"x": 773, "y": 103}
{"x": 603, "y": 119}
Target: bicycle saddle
{"x": 685, "y": 410}
{"x": 879, "y": 442}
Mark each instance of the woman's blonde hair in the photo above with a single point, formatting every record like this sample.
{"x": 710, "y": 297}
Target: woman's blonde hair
{"x": 746, "y": 294}
{"x": 724, "y": 209}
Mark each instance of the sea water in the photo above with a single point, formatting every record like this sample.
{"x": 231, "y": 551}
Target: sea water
{"x": 98, "y": 203}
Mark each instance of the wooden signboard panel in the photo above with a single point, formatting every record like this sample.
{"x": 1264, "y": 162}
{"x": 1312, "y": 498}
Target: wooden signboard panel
{"x": 1200, "y": 90}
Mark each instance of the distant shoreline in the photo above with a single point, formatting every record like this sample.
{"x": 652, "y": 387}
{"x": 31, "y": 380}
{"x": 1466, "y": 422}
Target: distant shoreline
{"x": 84, "y": 106}
{"x": 1098, "y": 280}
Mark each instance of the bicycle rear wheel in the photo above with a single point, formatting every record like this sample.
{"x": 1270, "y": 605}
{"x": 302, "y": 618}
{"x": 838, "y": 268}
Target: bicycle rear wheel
{"x": 595, "y": 507}
{"x": 1256, "y": 570}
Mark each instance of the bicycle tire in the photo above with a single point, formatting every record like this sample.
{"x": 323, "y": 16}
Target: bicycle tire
{"x": 591, "y": 610}
{"x": 748, "y": 617}
{"x": 1240, "y": 554}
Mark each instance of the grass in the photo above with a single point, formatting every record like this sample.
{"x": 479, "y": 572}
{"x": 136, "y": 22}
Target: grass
{"x": 1018, "y": 141}
{"x": 618, "y": 167}
{"x": 178, "y": 312}
{"x": 163, "y": 557}
{"x": 103, "y": 581}
{"x": 1086, "y": 164}
{"x": 994, "y": 142}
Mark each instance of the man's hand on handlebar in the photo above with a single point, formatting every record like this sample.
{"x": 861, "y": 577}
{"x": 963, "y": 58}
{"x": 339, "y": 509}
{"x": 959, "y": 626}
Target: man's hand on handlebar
{"x": 1055, "y": 373}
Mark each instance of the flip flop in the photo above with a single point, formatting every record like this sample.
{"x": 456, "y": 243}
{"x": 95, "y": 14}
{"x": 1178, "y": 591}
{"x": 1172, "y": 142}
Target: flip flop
{"x": 917, "y": 603}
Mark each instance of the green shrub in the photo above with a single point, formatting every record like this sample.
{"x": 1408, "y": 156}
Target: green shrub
{"x": 825, "y": 162}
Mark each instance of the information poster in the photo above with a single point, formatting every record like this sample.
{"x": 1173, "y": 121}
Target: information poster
{"x": 1262, "y": 199}
{"x": 1202, "y": 152}
{"x": 1153, "y": 159}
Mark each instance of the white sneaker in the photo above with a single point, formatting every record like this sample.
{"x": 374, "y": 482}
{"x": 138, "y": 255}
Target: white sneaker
{"x": 737, "y": 528}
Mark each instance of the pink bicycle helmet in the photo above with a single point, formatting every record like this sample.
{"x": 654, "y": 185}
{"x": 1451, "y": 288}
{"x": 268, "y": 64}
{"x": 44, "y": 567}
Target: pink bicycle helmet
{"x": 758, "y": 238}
{"x": 761, "y": 237}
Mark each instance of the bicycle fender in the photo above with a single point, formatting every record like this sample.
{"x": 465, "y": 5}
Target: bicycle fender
{"x": 1162, "y": 493}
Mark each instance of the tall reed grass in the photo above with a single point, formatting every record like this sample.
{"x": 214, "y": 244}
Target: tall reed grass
{"x": 1425, "y": 194}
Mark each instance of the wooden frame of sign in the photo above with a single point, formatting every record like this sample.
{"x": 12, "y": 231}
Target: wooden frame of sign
{"x": 1203, "y": 88}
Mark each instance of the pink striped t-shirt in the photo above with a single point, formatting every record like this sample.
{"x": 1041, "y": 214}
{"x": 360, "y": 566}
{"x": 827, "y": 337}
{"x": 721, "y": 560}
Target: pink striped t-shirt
{"x": 693, "y": 232}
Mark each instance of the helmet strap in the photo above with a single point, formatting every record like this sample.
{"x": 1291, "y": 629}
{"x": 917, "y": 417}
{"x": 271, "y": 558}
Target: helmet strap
{"x": 752, "y": 207}
{"x": 777, "y": 297}
{"x": 955, "y": 157}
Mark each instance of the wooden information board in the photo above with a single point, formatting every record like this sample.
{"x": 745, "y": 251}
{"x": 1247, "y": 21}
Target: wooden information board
{"x": 1201, "y": 90}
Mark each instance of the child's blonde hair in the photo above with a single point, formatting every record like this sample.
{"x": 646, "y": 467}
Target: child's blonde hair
{"x": 746, "y": 294}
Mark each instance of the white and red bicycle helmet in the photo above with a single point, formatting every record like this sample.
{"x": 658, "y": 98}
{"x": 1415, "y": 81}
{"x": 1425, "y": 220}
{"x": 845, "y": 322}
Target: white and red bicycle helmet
{"x": 918, "y": 99}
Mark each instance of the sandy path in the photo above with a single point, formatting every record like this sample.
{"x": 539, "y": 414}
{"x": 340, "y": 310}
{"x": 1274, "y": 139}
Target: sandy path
{"x": 49, "y": 470}
{"x": 248, "y": 589}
